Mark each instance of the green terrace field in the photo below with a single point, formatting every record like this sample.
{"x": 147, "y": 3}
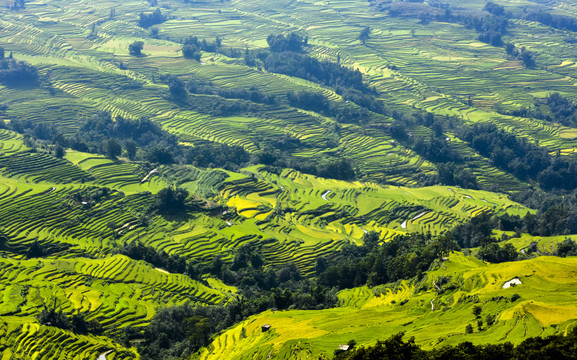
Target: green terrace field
{"x": 84, "y": 208}
{"x": 116, "y": 291}
{"x": 296, "y": 217}
{"x": 435, "y": 314}
{"x": 439, "y": 67}
{"x": 19, "y": 162}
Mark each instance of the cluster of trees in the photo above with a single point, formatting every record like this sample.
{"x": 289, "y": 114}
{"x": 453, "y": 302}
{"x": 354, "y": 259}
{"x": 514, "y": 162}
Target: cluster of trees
{"x": 135, "y": 48}
{"x": 436, "y": 148}
{"x": 556, "y": 21}
{"x": 19, "y": 4}
{"x": 322, "y": 72}
{"x": 195, "y": 86}
{"x": 371, "y": 264}
{"x": 567, "y": 247}
{"x": 491, "y": 24}
{"x": 548, "y": 348}
{"x": 40, "y": 250}
{"x": 491, "y": 28}
{"x": 286, "y": 57}
{"x": 144, "y": 140}
{"x": 561, "y": 110}
{"x": 556, "y": 214}
{"x": 343, "y": 113}
{"x": 76, "y": 323}
{"x": 17, "y": 73}
{"x": 172, "y": 263}
{"x": 192, "y": 47}
{"x": 495, "y": 253}
{"x": 340, "y": 168}
{"x": 91, "y": 194}
{"x": 181, "y": 330}
{"x": 154, "y": 18}
{"x": 365, "y": 34}
{"x": 476, "y": 232}
{"x": 291, "y": 42}
{"x": 101, "y": 133}
{"x": 527, "y": 57}
{"x": 520, "y": 157}
{"x": 218, "y": 155}
{"x": 172, "y": 200}
{"x": 280, "y": 287}
{"x": 454, "y": 174}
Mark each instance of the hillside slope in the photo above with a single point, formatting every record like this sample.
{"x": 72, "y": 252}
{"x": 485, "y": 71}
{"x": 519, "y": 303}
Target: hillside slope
{"x": 435, "y": 310}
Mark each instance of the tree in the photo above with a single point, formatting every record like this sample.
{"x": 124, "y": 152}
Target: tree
{"x": 159, "y": 154}
{"x": 477, "y": 310}
{"x": 112, "y": 148}
{"x": 131, "y": 149}
{"x": 469, "y": 329}
{"x": 135, "y": 48}
{"x": 364, "y": 35}
{"x": 171, "y": 200}
{"x": 35, "y": 250}
{"x": 176, "y": 87}
{"x": 59, "y": 151}
{"x": 198, "y": 330}
{"x": 191, "y": 51}
{"x": 3, "y": 241}
{"x": 443, "y": 245}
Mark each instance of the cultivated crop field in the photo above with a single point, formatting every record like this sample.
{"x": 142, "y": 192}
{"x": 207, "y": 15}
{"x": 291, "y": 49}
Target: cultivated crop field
{"x": 433, "y": 77}
{"x": 435, "y": 315}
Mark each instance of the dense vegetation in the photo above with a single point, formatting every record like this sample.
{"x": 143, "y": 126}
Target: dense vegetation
{"x": 182, "y": 330}
{"x": 403, "y": 257}
{"x": 552, "y": 347}
{"x": 17, "y": 73}
{"x": 160, "y": 198}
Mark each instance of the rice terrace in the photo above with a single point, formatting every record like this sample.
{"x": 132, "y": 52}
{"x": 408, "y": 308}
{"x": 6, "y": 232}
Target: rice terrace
{"x": 288, "y": 179}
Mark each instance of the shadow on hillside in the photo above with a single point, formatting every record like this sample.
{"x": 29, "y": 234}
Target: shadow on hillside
{"x": 176, "y": 216}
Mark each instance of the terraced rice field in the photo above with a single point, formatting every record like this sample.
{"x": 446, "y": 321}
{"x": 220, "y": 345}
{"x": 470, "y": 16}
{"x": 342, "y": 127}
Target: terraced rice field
{"x": 435, "y": 319}
{"x": 81, "y": 51}
{"x": 116, "y": 291}
{"x": 85, "y": 72}
{"x": 296, "y": 216}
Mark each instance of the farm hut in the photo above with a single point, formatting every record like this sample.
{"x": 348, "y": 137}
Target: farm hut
{"x": 265, "y": 327}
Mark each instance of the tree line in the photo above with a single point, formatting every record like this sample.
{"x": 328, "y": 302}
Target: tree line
{"x": 520, "y": 157}
{"x": 553, "y": 347}
{"x": 15, "y": 73}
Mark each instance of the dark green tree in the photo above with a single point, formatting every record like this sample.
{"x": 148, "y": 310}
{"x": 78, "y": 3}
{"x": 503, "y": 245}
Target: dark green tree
{"x": 112, "y": 148}
{"x": 171, "y": 200}
{"x": 135, "y": 48}
{"x": 59, "y": 151}
{"x": 131, "y": 149}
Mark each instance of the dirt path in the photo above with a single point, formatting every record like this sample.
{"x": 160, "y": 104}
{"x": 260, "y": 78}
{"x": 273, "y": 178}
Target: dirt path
{"x": 149, "y": 174}
{"x": 103, "y": 355}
